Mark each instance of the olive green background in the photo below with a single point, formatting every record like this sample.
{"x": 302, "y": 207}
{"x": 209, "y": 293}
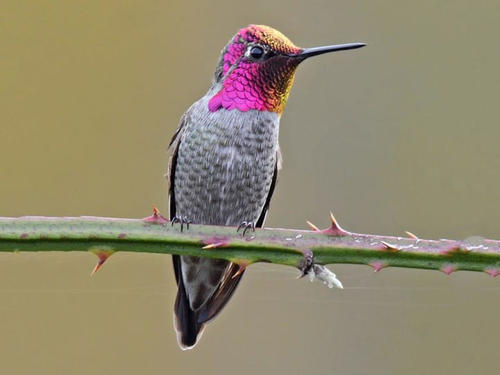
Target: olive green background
{"x": 400, "y": 135}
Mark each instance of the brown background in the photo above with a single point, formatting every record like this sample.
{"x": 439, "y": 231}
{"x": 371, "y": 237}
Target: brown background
{"x": 401, "y": 135}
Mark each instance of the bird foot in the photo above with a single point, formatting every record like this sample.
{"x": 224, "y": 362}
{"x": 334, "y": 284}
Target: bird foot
{"x": 246, "y": 225}
{"x": 183, "y": 220}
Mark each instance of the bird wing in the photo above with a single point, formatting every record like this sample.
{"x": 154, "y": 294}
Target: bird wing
{"x": 173, "y": 146}
{"x": 265, "y": 209}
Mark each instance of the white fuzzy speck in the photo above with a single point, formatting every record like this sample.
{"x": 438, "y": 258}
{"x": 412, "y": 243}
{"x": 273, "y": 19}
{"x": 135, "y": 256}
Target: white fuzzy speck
{"x": 323, "y": 274}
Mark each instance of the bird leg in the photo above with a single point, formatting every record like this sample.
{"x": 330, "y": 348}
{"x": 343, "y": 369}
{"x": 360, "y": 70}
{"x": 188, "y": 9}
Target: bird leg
{"x": 183, "y": 220}
{"x": 246, "y": 225}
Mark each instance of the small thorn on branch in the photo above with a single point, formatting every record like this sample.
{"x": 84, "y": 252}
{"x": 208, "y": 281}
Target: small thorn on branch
{"x": 214, "y": 245}
{"x": 210, "y": 246}
{"x": 377, "y": 265}
{"x": 448, "y": 269}
{"x": 411, "y": 235}
{"x": 313, "y": 227}
{"x": 333, "y": 230}
{"x": 389, "y": 247}
{"x": 493, "y": 272}
{"x": 215, "y": 242}
{"x": 156, "y": 218}
{"x": 103, "y": 255}
{"x": 453, "y": 248}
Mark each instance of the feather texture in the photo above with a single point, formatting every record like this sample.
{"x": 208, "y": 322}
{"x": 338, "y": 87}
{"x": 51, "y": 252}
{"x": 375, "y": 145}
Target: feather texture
{"x": 222, "y": 171}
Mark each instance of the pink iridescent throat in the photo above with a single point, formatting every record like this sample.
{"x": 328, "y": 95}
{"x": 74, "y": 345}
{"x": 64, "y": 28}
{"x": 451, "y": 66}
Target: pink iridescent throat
{"x": 261, "y": 86}
{"x": 239, "y": 92}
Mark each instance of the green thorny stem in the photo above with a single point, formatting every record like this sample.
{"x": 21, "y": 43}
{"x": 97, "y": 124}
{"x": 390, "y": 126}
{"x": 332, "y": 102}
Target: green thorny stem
{"x": 305, "y": 249}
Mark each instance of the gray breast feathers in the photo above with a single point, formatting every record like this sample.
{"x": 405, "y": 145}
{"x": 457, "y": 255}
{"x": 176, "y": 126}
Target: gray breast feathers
{"x": 224, "y": 164}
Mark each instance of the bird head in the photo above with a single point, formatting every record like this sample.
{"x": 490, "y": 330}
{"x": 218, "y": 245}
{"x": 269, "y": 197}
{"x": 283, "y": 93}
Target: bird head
{"x": 257, "y": 67}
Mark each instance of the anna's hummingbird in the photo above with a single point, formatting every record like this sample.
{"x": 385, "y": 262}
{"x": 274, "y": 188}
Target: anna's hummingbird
{"x": 225, "y": 160}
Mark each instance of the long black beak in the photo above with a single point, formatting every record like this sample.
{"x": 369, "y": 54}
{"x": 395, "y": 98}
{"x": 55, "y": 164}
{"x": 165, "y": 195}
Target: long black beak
{"x": 308, "y": 52}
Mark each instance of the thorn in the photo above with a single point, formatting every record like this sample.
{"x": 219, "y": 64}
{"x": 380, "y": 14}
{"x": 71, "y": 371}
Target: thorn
{"x": 215, "y": 242}
{"x": 390, "y": 248}
{"x": 156, "y": 218}
{"x": 336, "y": 227}
{"x": 411, "y": 235}
{"x": 448, "y": 269}
{"x": 242, "y": 269}
{"x": 214, "y": 245}
{"x": 96, "y": 268}
{"x": 450, "y": 249}
{"x": 314, "y": 227}
{"x": 493, "y": 272}
{"x": 334, "y": 230}
{"x": 377, "y": 265}
{"x": 103, "y": 255}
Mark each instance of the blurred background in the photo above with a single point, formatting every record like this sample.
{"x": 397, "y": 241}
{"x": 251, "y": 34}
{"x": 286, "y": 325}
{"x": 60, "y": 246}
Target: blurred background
{"x": 400, "y": 135}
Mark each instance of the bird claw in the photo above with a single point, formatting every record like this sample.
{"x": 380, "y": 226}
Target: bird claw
{"x": 183, "y": 220}
{"x": 246, "y": 225}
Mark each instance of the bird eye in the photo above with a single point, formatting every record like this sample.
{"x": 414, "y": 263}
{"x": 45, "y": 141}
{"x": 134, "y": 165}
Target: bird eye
{"x": 256, "y": 52}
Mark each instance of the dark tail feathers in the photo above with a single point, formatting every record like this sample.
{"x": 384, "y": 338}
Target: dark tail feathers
{"x": 189, "y": 324}
{"x": 186, "y": 320}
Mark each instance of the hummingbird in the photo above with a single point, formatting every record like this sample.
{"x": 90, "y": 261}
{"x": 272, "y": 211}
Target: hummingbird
{"x": 225, "y": 159}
